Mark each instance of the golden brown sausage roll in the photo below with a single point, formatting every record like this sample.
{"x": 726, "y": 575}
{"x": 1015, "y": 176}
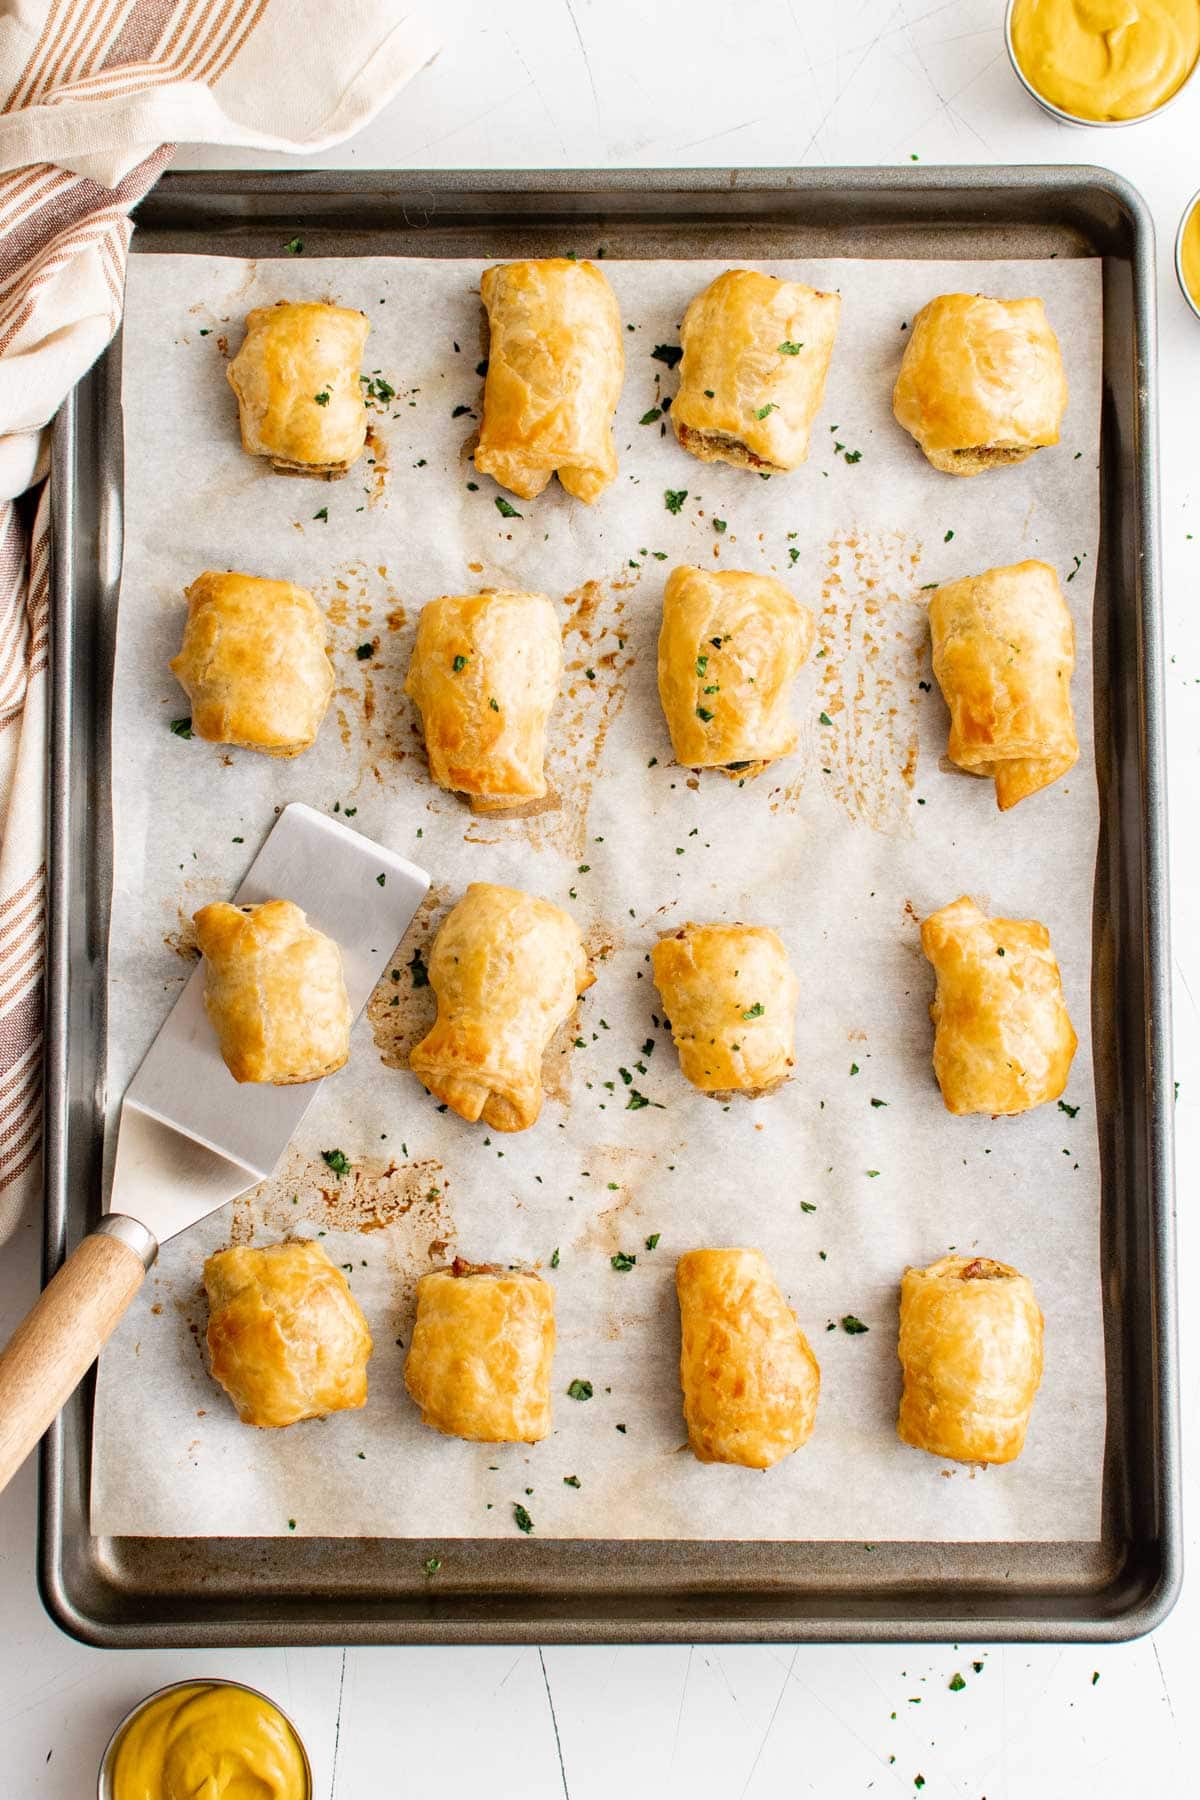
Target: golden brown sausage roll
{"x": 730, "y": 994}
{"x": 1003, "y": 1041}
{"x": 286, "y": 1338}
{"x": 730, "y": 647}
{"x": 274, "y": 992}
{"x": 484, "y": 675}
{"x": 756, "y": 352}
{"x": 482, "y": 1347}
{"x": 1003, "y": 652}
{"x": 750, "y": 1380}
{"x": 555, "y": 367}
{"x": 971, "y": 1350}
{"x": 982, "y": 382}
{"x": 253, "y": 663}
{"x": 507, "y": 969}
{"x": 296, "y": 376}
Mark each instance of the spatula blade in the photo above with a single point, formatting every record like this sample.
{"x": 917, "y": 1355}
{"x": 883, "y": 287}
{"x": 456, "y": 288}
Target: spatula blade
{"x": 364, "y": 897}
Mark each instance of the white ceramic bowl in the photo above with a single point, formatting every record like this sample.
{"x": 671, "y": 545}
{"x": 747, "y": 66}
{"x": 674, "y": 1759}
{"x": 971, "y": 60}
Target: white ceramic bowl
{"x": 104, "y": 1784}
{"x": 1067, "y": 118}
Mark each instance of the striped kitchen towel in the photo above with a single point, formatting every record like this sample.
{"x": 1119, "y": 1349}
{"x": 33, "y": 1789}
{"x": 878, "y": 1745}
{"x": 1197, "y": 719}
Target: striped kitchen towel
{"x": 93, "y": 93}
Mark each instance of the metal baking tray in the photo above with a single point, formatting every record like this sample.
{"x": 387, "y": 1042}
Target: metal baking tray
{"x": 181, "y": 1591}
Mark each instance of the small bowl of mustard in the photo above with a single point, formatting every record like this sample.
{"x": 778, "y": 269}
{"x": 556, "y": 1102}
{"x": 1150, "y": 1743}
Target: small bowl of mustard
{"x": 1103, "y": 62}
{"x": 207, "y": 1736}
{"x": 1187, "y": 253}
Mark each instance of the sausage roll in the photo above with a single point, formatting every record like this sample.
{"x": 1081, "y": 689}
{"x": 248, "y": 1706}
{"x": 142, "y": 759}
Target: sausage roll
{"x": 507, "y": 969}
{"x": 750, "y": 1380}
{"x": 971, "y": 1350}
{"x": 756, "y": 353}
{"x": 296, "y": 376}
{"x": 482, "y": 1346}
{"x": 484, "y": 674}
{"x": 1003, "y": 652}
{"x": 253, "y": 663}
{"x": 1003, "y": 1041}
{"x": 730, "y": 647}
{"x": 982, "y": 382}
{"x": 730, "y": 994}
{"x": 555, "y": 367}
{"x": 286, "y": 1338}
{"x": 274, "y": 992}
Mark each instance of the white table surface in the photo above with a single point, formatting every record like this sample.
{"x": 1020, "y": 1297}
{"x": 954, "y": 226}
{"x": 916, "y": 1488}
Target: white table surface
{"x": 573, "y": 83}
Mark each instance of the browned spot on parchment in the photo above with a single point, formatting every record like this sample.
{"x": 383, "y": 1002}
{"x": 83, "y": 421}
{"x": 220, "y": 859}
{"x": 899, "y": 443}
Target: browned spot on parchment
{"x": 872, "y": 651}
{"x": 373, "y": 718}
{"x": 403, "y": 1007}
{"x": 377, "y": 465}
{"x": 405, "y": 1201}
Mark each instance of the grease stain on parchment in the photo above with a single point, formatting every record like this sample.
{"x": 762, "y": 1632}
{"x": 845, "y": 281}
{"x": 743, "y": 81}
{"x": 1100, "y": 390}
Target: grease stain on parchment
{"x": 403, "y": 1006}
{"x": 871, "y": 655}
{"x": 369, "y": 647}
{"x": 407, "y": 1201}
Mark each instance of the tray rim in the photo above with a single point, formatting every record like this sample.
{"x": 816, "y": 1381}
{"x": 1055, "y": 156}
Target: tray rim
{"x": 1153, "y": 1600}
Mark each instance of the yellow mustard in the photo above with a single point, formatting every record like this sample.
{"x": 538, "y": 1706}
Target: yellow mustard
{"x": 1189, "y": 254}
{"x": 205, "y": 1742}
{"x": 1106, "y": 59}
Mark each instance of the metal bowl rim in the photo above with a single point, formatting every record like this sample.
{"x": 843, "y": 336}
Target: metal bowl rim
{"x": 1188, "y": 210}
{"x": 104, "y": 1790}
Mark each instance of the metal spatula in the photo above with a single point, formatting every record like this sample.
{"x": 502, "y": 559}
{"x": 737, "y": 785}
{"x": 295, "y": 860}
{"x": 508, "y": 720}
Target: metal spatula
{"x": 190, "y": 1137}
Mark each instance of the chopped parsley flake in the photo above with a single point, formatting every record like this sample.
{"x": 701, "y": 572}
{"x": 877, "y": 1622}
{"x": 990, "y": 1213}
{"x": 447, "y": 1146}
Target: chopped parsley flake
{"x": 460, "y": 663}
{"x": 521, "y": 1518}
{"x": 702, "y": 712}
{"x": 580, "y": 1390}
{"x": 294, "y": 247}
{"x": 418, "y": 970}
{"x": 667, "y": 353}
{"x": 431, "y": 1566}
{"x": 649, "y": 418}
{"x": 852, "y": 1326}
{"x": 182, "y": 727}
{"x": 825, "y": 719}
{"x": 323, "y": 515}
{"x": 756, "y": 1011}
{"x": 364, "y": 651}
{"x": 674, "y": 498}
{"x": 555, "y": 1259}
{"x": 322, "y": 399}
{"x": 622, "y": 1262}
{"x": 652, "y": 1240}
{"x": 1069, "y": 1110}
{"x": 494, "y": 704}
{"x": 787, "y": 348}
{"x": 956, "y": 1683}
{"x": 505, "y": 510}
{"x": 763, "y": 411}
{"x": 701, "y": 664}
{"x": 719, "y": 526}
{"x": 338, "y": 1161}
{"x": 572, "y": 1481}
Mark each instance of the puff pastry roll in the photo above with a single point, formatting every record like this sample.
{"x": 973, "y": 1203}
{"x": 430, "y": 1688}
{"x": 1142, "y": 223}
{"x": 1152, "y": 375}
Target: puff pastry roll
{"x": 484, "y": 675}
{"x": 507, "y": 969}
{"x": 253, "y": 663}
{"x": 555, "y": 367}
{"x": 750, "y": 1380}
{"x": 730, "y": 995}
{"x": 274, "y": 992}
{"x": 730, "y": 646}
{"x": 982, "y": 382}
{"x": 482, "y": 1348}
{"x": 286, "y": 1338}
{"x": 1003, "y": 652}
{"x": 756, "y": 354}
{"x": 971, "y": 1350}
{"x": 296, "y": 377}
{"x": 1003, "y": 1041}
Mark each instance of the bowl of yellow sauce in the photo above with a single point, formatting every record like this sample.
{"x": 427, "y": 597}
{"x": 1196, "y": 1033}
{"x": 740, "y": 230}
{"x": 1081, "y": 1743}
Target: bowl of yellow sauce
{"x": 1187, "y": 253}
{"x": 1103, "y": 62}
{"x": 214, "y": 1738}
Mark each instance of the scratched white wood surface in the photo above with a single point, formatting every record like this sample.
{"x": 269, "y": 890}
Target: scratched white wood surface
{"x": 591, "y": 82}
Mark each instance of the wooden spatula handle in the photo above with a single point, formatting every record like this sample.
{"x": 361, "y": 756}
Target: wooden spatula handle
{"x": 49, "y": 1354}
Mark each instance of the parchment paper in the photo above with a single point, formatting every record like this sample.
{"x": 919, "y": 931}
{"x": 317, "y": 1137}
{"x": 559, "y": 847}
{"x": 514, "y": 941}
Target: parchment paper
{"x": 843, "y": 1177}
